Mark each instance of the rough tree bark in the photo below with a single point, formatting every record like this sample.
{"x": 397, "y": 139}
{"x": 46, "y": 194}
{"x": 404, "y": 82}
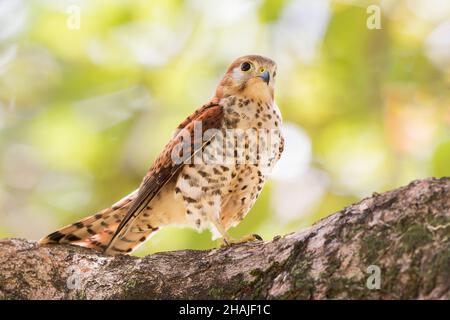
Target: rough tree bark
{"x": 405, "y": 232}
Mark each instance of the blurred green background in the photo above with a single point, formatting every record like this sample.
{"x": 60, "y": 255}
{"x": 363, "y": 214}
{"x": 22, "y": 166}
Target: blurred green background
{"x": 90, "y": 91}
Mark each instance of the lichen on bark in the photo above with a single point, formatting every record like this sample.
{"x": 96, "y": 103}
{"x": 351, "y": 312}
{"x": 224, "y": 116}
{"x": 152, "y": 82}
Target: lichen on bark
{"x": 404, "y": 232}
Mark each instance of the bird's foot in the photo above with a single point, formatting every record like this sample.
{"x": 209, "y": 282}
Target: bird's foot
{"x": 247, "y": 238}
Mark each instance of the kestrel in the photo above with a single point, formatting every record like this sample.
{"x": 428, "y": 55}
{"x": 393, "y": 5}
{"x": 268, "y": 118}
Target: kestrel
{"x": 209, "y": 174}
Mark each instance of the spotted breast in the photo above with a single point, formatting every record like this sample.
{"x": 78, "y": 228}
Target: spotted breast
{"x": 219, "y": 191}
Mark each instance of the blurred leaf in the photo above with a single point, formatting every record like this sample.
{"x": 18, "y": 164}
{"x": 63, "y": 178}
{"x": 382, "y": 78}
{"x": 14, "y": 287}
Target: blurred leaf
{"x": 441, "y": 160}
{"x": 270, "y": 10}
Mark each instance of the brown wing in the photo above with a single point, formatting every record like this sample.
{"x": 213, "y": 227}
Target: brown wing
{"x": 164, "y": 168}
{"x": 198, "y": 113}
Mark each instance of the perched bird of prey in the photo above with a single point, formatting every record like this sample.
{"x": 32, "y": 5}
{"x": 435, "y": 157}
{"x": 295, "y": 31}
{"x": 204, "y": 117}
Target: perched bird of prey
{"x": 209, "y": 174}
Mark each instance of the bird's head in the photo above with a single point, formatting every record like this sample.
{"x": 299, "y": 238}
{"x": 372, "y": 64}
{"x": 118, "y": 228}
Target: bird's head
{"x": 252, "y": 76}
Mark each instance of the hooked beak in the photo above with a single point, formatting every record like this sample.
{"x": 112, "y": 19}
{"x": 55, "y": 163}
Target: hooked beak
{"x": 265, "y": 76}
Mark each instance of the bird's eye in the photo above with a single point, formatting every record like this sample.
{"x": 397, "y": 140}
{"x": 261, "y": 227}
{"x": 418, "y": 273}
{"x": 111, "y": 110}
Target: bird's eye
{"x": 245, "y": 66}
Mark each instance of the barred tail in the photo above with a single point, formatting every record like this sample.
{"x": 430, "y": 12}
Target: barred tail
{"x": 95, "y": 231}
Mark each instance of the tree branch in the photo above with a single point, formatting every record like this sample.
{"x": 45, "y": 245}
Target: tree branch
{"x": 404, "y": 232}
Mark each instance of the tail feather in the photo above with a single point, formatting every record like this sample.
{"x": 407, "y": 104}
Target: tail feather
{"x": 97, "y": 231}
{"x": 94, "y": 231}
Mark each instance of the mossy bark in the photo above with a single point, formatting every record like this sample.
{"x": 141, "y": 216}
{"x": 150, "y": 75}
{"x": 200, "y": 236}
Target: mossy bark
{"x": 404, "y": 234}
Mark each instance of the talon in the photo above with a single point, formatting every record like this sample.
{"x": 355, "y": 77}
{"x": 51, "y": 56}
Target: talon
{"x": 257, "y": 237}
{"x": 230, "y": 242}
{"x": 224, "y": 243}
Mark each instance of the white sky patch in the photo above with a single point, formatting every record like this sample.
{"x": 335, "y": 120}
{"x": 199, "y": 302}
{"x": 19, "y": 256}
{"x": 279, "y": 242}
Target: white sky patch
{"x": 13, "y": 15}
{"x": 298, "y": 197}
{"x": 36, "y": 216}
{"x": 298, "y": 187}
{"x": 437, "y": 46}
{"x": 2, "y": 116}
{"x": 62, "y": 5}
{"x": 301, "y": 29}
{"x": 65, "y": 191}
{"x": 21, "y": 167}
{"x": 430, "y": 10}
{"x": 6, "y": 56}
{"x": 153, "y": 44}
{"x": 108, "y": 110}
{"x": 220, "y": 12}
{"x": 296, "y": 156}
